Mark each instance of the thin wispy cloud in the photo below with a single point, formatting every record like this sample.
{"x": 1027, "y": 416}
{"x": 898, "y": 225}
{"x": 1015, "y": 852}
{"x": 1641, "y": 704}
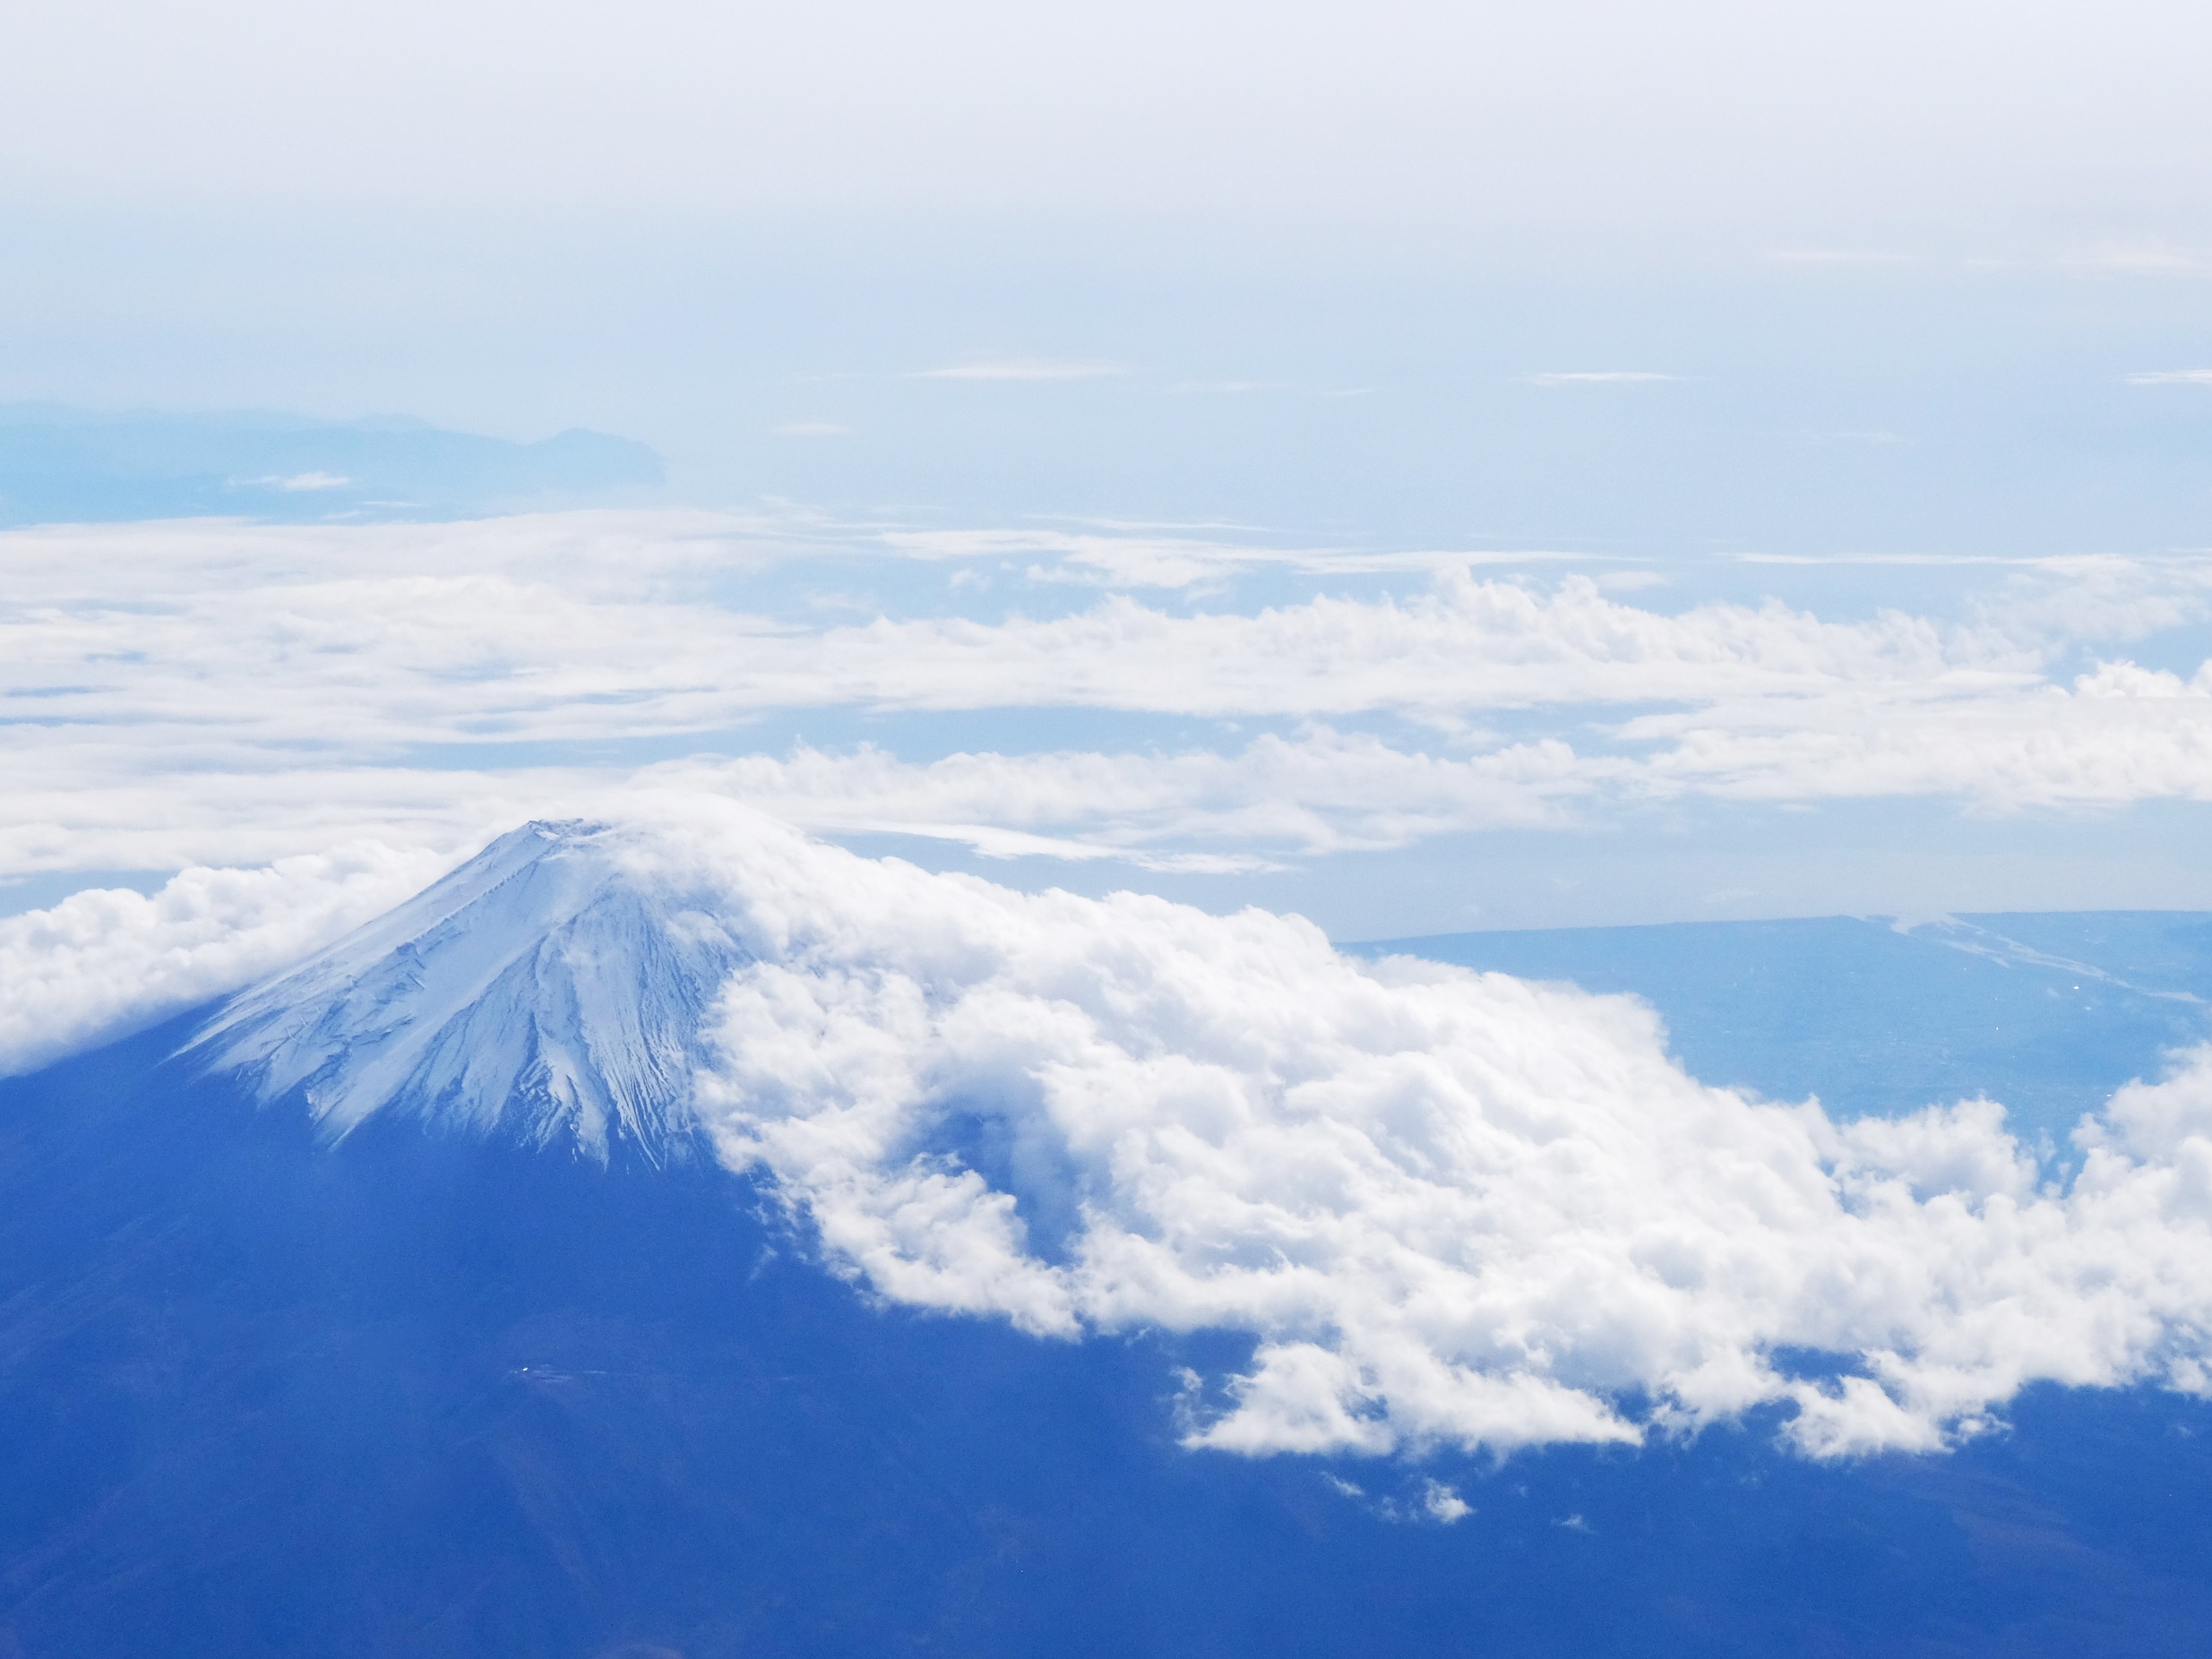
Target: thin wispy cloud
{"x": 305, "y": 481}
{"x": 2120, "y": 260}
{"x": 2153, "y": 261}
{"x": 1841, "y": 256}
{"x": 2171, "y": 377}
{"x": 1224, "y": 526}
{"x": 1593, "y": 377}
{"x": 1026, "y": 369}
{"x": 1127, "y": 561}
{"x": 1245, "y": 388}
{"x": 1230, "y": 388}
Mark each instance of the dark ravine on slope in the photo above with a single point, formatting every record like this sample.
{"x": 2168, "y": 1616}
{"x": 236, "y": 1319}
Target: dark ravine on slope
{"x": 447, "y": 1385}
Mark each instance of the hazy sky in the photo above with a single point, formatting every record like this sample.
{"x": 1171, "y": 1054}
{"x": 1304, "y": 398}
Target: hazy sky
{"x": 1878, "y": 312}
{"x": 1889, "y": 270}
{"x": 1507, "y": 133}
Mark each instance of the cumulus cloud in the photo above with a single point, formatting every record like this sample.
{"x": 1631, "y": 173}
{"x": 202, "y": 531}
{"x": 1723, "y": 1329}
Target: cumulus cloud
{"x": 1444, "y": 1504}
{"x": 1447, "y": 1207}
{"x": 106, "y": 961}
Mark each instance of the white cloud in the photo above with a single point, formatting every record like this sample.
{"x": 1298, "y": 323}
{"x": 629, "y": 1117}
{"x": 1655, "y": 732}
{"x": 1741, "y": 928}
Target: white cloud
{"x": 104, "y": 962}
{"x": 299, "y": 481}
{"x": 1448, "y": 1207}
{"x": 1465, "y": 646}
{"x": 2134, "y": 259}
{"x": 218, "y": 693}
{"x": 1593, "y": 377}
{"x": 1322, "y": 792}
{"x": 2172, "y": 377}
{"x": 2123, "y": 734}
{"x": 1841, "y": 256}
{"x": 1195, "y": 811}
{"x": 1444, "y": 1504}
{"x": 545, "y": 631}
{"x": 1452, "y": 1209}
{"x": 1122, "y": 559}
{"x": 1025, "y": 369}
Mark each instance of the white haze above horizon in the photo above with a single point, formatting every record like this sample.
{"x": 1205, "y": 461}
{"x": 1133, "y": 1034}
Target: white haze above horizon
{"x": 1818, "y": 128}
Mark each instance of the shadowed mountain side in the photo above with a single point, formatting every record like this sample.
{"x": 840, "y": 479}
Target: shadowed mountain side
{"x": 2047, "y": 1013}
{"x": 424, "y": 1394}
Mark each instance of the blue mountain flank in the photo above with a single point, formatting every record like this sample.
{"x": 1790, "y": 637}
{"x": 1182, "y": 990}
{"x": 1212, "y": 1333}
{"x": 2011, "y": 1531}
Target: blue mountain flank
{"x": 514, "y": 1370}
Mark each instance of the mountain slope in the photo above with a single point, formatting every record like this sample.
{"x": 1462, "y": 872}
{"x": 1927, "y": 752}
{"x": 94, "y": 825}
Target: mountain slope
{"x": 318, "y": 1339}
{"x": 429, "y": 1396}
{"x": 542, "y": 991}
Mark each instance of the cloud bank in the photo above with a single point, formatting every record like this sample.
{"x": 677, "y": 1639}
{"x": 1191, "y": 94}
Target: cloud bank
{"x": 1446, "y": 1207}
{"x": 105, "y": 961}
{"x": 217, "y": 694}
{"x": 1450, "y": 1207}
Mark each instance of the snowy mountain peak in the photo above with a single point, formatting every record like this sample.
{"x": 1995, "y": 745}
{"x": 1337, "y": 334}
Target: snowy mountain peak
{"x": 547, "y": 989}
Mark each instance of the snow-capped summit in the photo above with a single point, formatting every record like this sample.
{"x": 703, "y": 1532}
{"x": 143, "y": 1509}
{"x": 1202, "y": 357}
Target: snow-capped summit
{"x": 547, "y": 989}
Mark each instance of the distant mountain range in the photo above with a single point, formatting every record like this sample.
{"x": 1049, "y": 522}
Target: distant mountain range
{"x": 60, "y": 464}
{"x": 388, "y": 1308}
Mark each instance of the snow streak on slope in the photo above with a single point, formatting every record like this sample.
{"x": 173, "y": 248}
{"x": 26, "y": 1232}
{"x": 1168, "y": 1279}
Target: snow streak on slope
{"x": 1447, "y": 1207}
{"x": 535, "y": 991}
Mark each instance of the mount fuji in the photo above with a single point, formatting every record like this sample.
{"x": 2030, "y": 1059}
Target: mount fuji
{"x": 482, "y": 1286}
{"x": 542, "y": 993}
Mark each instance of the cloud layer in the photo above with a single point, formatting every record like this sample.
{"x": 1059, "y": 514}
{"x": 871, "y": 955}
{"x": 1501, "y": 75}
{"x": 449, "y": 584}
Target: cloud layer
{"x": 1445, "y": 1209}
{"x": 1448, "y": 1207}
{"x": 220, "y": 693}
